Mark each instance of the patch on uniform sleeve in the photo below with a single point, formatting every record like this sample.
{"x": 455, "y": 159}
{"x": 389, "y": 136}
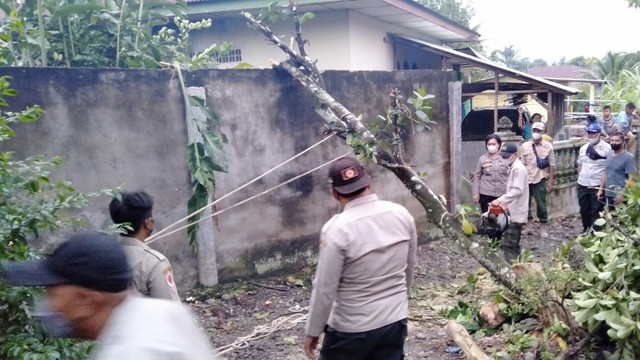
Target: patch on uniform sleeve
{"x": 168, "y": 273}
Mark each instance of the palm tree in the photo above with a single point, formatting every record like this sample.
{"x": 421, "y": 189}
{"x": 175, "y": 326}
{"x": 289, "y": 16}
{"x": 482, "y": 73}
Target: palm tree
{"x": 625, "y": 88}
{"x": 509, "y": 57}
{"x": 611, "y": 65}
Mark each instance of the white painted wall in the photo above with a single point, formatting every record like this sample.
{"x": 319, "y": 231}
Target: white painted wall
{"x": 340, "y": 40}
{"x": 327, "y": 34}
{"x": 368, "y": 47}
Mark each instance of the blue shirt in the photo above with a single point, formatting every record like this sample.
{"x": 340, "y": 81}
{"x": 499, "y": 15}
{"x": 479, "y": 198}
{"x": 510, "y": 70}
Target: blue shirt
{"x": 618, "y": 168}
{"x": 623, "y": 122}
{"x": 526, "y": 131}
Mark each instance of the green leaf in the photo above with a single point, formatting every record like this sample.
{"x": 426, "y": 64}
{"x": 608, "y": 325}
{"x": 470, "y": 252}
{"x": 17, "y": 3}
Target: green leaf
{"x": 603, "y": 315}
{"x": 606, "y": 275}
{"x": 589, "y": 303}
{"x": 422, "y": 116}
{"x": 214, "y": 148}
{"x": 600, "y": 222}
{"x": 75, "y": 9}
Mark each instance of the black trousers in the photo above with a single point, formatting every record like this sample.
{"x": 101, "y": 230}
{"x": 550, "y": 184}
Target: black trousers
{"x": 384, "y": 343}
{"x": 590, "y": 205}
{"x": 484, "y": 201}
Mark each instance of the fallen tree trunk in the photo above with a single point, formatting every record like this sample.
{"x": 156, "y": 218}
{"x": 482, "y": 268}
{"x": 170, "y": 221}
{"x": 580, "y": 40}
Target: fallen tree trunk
{"x": 338, "y": 117}
{"x": 460, "y": 335}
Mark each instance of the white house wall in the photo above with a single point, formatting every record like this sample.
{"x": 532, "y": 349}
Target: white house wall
{"x": 340, "y": 40}
{"x": 327, "y": 35}
{"x": 370, "y": 48}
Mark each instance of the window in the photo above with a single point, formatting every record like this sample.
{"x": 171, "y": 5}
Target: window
{"x": 234, "y": 55}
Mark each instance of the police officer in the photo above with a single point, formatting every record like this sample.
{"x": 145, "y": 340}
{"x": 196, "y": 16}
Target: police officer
{"x": 365, "y": 268}
{"x": 152, "y": 273}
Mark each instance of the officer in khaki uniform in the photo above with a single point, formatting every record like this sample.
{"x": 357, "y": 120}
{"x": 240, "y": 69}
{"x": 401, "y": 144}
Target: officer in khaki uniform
{"x": 152, "y": 273}
{"x": 538, "y": 152}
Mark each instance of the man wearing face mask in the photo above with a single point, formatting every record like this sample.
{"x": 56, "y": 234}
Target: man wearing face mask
{"x": 619, "y": 166}
{"x": 538, "y": 158}
{"x": 87, "y": 281}
{"x": 515, "y": 200}
{"x": 152, "y": 272}
{"x": 591, "y": 163}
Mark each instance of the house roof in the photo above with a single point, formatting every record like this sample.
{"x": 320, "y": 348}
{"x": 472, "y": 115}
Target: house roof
{"x": 565, "y": 73}
{"x": 460, "y": 58}
{"x": 405, "y": 13}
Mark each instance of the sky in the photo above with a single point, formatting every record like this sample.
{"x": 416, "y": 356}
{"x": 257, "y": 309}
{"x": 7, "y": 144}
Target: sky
{"x": 552, "y": 29}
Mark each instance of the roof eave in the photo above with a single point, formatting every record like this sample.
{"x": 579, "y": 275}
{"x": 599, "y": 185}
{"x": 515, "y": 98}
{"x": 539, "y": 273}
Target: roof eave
{"x": 490, "y": 65}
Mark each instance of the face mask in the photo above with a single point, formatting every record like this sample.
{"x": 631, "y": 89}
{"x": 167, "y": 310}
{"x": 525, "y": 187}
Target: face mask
{"x": 593, "y": 141}
{"x": 536, "y": 136}
{"x": 54, "y": 323}
{"x": 615, "y": 147}
{"x": 492, "y": 149}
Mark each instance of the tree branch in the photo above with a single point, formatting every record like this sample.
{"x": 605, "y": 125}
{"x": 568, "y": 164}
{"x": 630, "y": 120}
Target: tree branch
{"x": 622, "y": 230}
{"x": 436, "y": 211}
{"x": 296, "y": 21}
{"x": 307, "y": 67}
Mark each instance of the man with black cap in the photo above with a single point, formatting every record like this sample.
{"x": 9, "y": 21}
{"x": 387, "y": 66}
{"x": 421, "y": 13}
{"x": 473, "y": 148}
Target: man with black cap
{"x": 365, "y": 268}
{"x": 515, "y": 200}
{"x": 87, "y": 281}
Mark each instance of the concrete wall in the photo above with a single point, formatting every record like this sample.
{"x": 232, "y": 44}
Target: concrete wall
{"x": 127, "y": 127}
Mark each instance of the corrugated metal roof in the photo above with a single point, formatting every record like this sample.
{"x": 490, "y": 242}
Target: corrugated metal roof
{"x": 565, "y": 73}
{"x": 464, "y": 59}
{"x": 405, "y": 13}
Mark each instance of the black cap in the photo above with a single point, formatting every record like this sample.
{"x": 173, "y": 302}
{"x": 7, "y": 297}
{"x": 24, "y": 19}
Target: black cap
{"x": 92, "y": 260}
{"x": 347, "y": 175}
{"x": 508, "y": 149}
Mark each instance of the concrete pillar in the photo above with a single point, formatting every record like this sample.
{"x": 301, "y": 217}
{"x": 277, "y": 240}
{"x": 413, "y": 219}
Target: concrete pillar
{"x": 455, "y": 142}
{"x": 207, "y": 262}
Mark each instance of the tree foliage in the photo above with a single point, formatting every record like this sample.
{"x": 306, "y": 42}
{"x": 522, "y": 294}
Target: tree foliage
{"x": 509, "y": 57}
{"x": 97, "y": 33}
{"x": 457, "y": 10}
{"x": 609, "y": 301}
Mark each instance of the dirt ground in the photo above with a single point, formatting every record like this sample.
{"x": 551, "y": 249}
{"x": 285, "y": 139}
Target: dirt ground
{"x": 235, "y": 310}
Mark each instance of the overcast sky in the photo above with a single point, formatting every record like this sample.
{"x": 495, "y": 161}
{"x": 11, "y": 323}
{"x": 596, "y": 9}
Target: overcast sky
{"x": 551, "y": 29}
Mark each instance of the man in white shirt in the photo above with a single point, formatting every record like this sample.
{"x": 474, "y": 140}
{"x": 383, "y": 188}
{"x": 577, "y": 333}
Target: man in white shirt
{"x": 591, "y": 165}
{"x": 515, "y": 200}
{"x": 87, "y": 281}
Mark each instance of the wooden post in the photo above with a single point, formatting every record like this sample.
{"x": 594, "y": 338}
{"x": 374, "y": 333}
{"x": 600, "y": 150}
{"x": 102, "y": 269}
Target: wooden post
{"x": 207, "y": 262}
{"x": 455, "y": 143}
{"x": 496, "y": 89}
{"x": 550, "y": 115}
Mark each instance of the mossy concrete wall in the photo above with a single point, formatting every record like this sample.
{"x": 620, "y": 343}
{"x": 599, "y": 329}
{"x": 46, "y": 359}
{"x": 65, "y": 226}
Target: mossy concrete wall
{"x": 128, "y": 127}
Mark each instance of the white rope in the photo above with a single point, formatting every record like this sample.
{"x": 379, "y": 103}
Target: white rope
{"x": 248, "y": 199}
{"x": 156, "y": 235}
{"x": 260, "y": 331}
